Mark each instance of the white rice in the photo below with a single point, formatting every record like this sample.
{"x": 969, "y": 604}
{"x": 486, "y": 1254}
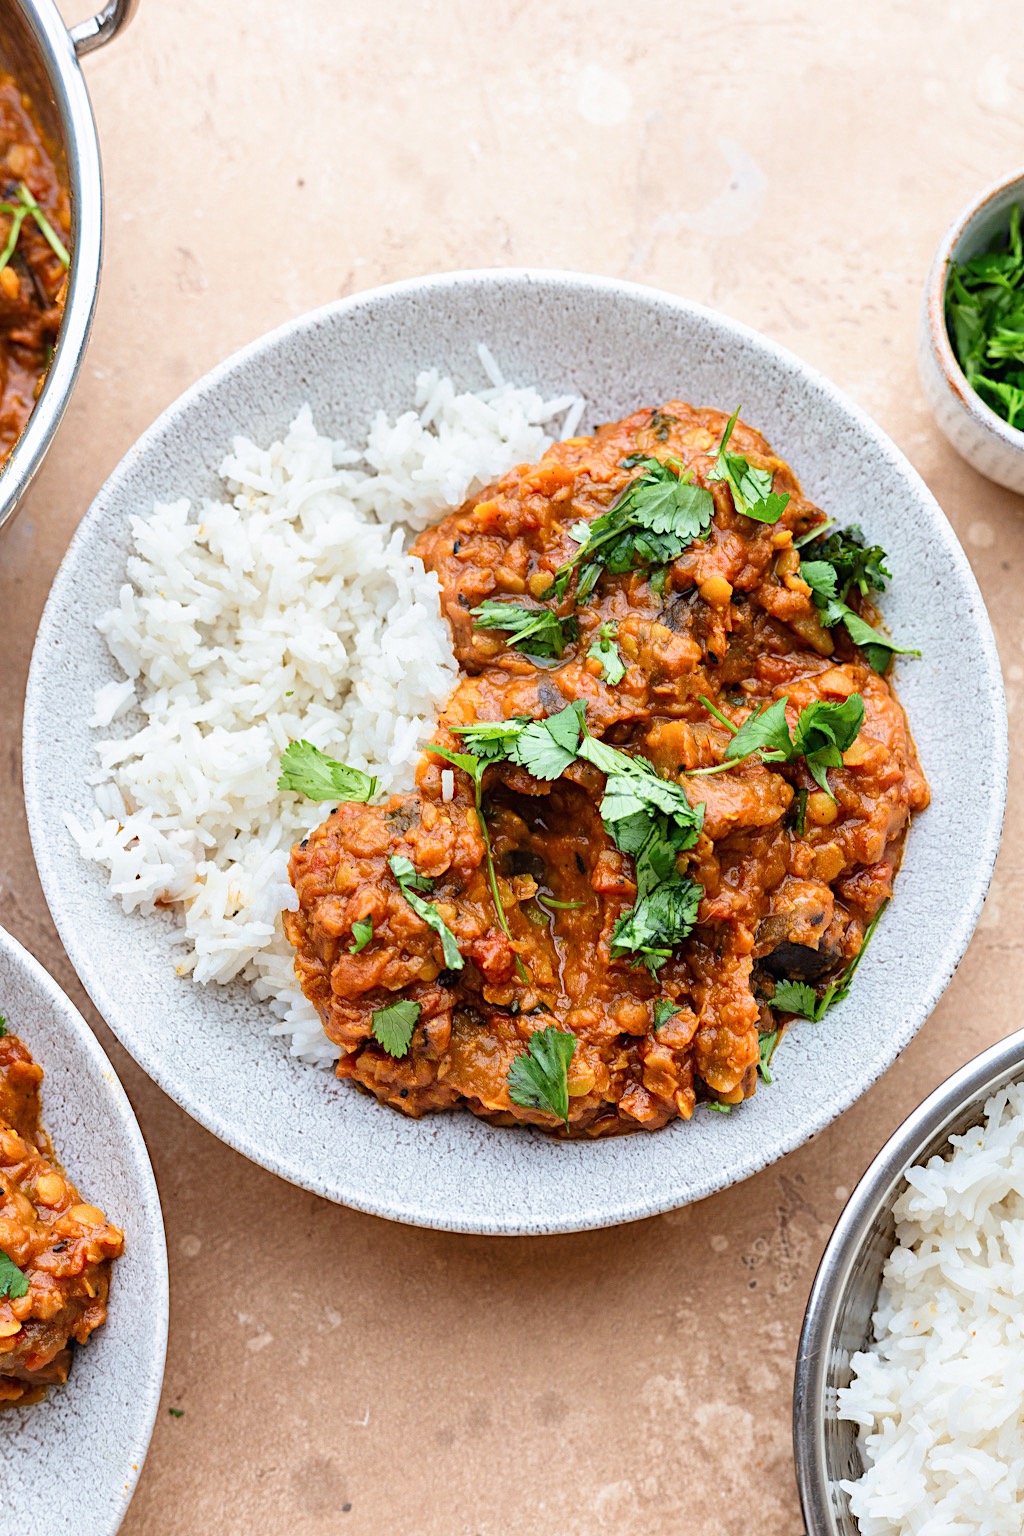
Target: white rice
{"x": 939, "y": 1395}
{"x": 287, "y": 609}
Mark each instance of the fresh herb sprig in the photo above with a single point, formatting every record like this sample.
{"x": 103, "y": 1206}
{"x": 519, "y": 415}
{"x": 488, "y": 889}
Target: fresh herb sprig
{"x": 657, "y": 516}
{"x": 308, "y": 771}
{"x": 751, "y": 488}
{"x": 409, "y": 883}
{"x": 800, "y": 998}
{"x": 393, "y": 1026}
{"x": 26, "y": 207}
{"x": 539, "y": 1078}
{"x": 646, "y": 816}
{"x": 766, "y": 1044}
{"x": 985, "y": 320}
{"x": 13, "y": 1283}
{"x": 843, "y": 563}
{"x": 604, "y": 650}
{"x": 362, "y": 933}
{"x": 534, "y": 631}
{"x": 823, "y": 732}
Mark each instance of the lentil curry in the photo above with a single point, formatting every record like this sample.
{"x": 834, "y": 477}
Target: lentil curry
{"x": 664, "y": 806}
{"x": 34, "y": 215}
{"x": 55, "y": 1251}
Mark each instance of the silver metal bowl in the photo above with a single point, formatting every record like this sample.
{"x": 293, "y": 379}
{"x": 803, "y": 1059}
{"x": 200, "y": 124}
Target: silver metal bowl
{"x": 838, "y": 1319}
{"x": 42, "y": 54}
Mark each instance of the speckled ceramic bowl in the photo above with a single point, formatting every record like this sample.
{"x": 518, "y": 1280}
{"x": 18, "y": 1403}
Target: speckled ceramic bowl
{"x": 70, "y": 1463}
{"x": 621, "y": 347}
{"x": 985, "y": 440}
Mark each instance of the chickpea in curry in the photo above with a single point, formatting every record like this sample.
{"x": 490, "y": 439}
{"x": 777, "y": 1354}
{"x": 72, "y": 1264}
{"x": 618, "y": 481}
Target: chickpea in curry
{"x": 56, "y": 1250}
{"x": 665, "y": 652}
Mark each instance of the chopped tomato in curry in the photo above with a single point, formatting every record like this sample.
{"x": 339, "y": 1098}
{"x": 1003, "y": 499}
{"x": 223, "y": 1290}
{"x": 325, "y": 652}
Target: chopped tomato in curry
{"x": 55, "y": 1251}
{"x": 790, "y": 873}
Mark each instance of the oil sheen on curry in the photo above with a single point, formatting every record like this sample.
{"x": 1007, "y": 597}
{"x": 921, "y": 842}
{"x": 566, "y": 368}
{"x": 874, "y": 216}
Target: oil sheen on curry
{"x": 662, "y": 810}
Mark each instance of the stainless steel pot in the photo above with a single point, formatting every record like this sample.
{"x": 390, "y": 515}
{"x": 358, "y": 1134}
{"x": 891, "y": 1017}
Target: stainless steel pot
{"x": 838, "y": 1318}
{"x": 39, "y": 50}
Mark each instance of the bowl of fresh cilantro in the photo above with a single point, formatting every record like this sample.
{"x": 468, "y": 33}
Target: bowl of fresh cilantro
{"x": 971, "y": 339}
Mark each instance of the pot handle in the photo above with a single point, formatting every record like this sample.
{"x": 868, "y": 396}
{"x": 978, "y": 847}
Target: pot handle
{"x": 99, "y": 29}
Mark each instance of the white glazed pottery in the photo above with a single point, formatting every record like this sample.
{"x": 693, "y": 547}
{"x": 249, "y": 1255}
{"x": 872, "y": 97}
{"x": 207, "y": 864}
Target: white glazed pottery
{"x": 621, "y": 347}
{"x": 70, "y": 1463}
{"x": 978, "y": 434}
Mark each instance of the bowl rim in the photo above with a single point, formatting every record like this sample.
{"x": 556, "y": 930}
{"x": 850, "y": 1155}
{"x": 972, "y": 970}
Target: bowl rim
{"x": 974, "y": 1082}
{"x": 935, "y": 311}
{"x": 85, "y": 182}
{"x": 147, "y": 1392}
{"x": 436, "y": 287}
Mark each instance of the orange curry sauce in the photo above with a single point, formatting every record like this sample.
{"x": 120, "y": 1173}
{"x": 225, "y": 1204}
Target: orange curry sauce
{"x": 733, "y": 621}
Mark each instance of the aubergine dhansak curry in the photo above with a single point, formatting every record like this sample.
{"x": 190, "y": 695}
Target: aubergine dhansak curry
{"x": 663, "y": 808}
{"x": 34, "y": 223}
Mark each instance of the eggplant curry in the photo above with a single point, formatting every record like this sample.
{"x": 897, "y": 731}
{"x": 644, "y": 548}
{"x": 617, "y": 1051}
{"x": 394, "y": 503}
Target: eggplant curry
{"x": 662, "y": 810}
{"x": 34, "y": 222}
{"x": 55, "y": 1251}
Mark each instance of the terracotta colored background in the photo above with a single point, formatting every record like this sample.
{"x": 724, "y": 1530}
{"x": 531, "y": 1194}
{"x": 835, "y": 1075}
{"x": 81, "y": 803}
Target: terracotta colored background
{"x": 793, "y": 165}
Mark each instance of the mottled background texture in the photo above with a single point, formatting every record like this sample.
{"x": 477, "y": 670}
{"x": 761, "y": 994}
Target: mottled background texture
{"x": 791, "y": 164}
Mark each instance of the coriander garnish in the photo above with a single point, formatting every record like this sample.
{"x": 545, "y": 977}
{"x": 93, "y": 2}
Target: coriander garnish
{"x": 604, "y": 650}
{"x": 657, "y": 516}
{"x": 308, "y": 771}
{"x": 393, "y": 1026}
{"x": 985, "y": 320}
{"x": 751, "y": 487}
{"x": 409, "y": 882}
{"x": 362, "y": 933}
{"x": 766, "y": 1044}
{"x": 823, "y": 732}
{"x": 843, "y": 563}
{"x": 534, "y": 631}
{"x": 25, "y": 207}
{"x": 665, "y": 1009}
{"x": 539, "y": 1078}
{"x": 13, "y": 1284}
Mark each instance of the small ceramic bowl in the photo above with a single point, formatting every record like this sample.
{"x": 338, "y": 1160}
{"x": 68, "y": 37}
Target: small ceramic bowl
{"x": 845, "y": 1292}
{"x": 984, "y": 439}
{"x": 69, "y": 1465}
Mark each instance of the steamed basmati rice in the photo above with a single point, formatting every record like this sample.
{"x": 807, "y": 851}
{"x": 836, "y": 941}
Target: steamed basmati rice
{"x": 287, "y": 609}
{"x": 939, "y": 1394}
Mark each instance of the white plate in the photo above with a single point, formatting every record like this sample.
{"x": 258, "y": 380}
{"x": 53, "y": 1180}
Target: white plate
{"x": 71, "y": 1462}
{"x": 621, "y": 347}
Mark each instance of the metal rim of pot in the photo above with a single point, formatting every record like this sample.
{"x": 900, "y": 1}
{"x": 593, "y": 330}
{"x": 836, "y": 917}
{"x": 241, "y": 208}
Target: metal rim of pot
{"x": 59, "y": 50}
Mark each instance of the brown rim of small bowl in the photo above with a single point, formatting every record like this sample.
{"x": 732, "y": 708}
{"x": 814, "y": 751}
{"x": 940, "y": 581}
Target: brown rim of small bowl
{"x": 935, "y": 299}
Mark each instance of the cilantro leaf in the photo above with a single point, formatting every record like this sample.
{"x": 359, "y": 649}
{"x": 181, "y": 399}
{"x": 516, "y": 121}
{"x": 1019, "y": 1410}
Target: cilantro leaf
{"x": 657, "y": 516}
{"x": 409, "y": 882}
{"x": 766, "y": 1044}
{"x": 824, "y": 732}
{"x": 765, "y": 731}
{"x": 877, "y": 649}
{"x": 546, "y": 748}
{"x": 3, "y": 1026}
{"x": 535, "y": 631}
{"x": 362, "y": 933}
{"x": 13, "y": 1283}
{"x": 658, "y": 922}
{"x": 665, "y": 1009}
{"x": 308, "y": 771}
{"x": 491, "y": 740}
{"x": 404, "y": 871}
{"x": 539, "y": 1078}
{"x": 720, "y": 1109}
{"x": 854, "y": 563}
{"x": 843, "y": 562}
{"x": 393, "y": 1026}
{"x": 797, "y": 997}
{"x": 604, "y": 650}
{"x": 985, "y": 320}
{"x": 751, "y": 487}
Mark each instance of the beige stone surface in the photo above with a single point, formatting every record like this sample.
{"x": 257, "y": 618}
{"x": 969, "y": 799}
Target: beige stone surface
{"x": 792, "y": 164}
